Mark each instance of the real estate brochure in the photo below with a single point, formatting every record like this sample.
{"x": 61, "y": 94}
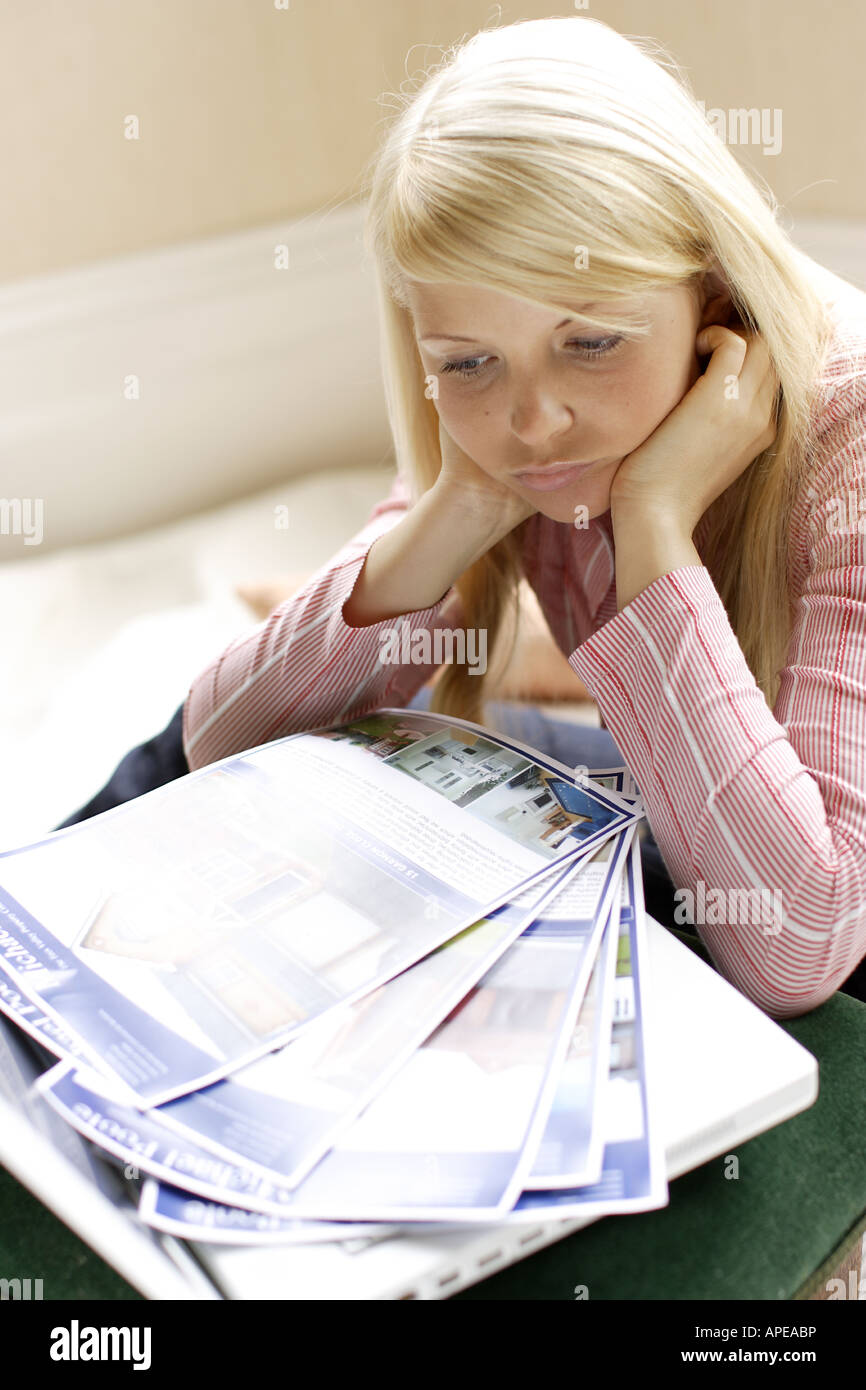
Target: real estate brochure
{"x": 180, "y": 935}
{"x": 633, "y": 1171}
{"x": 633, "y": 1176}
{"x": 352, "y": 983}
{"x": 556, "y": 953}
{"x": 271, "y": 1121}
{"x": 571, "y": 1148}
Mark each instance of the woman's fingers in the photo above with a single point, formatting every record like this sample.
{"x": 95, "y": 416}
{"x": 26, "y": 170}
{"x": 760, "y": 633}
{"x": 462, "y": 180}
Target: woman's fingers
{"x": 736, "y": 352}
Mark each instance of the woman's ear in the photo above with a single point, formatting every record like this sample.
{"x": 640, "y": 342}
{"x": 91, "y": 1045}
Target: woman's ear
{"x": 715, "y": 300}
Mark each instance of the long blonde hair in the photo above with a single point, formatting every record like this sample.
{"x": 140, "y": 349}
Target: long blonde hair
{"x": 529, "y": 144}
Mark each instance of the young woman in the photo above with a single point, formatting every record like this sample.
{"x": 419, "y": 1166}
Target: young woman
{"x": 608, "y": 369}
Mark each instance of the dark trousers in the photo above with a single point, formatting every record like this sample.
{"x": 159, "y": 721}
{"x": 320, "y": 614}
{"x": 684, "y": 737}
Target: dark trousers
{"x": 161, "y": 759}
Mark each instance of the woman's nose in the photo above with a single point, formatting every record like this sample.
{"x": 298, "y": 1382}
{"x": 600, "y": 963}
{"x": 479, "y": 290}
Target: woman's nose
{"x": 539, "y": 418}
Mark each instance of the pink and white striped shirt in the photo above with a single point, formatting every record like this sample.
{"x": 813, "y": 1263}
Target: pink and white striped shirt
{"x": 738, "y": 797}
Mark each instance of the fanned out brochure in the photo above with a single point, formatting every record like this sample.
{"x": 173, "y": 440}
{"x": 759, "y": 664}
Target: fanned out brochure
{"x": 571, "y": 1148}
{"x": 484, "y": 1076}
{"x": 366, "y": 980}
{"x": 632, "y": 1174}
{"x": 182, "y": 935}
{"x": 276, "y": 1117}
{"x": 88, "y": 1177}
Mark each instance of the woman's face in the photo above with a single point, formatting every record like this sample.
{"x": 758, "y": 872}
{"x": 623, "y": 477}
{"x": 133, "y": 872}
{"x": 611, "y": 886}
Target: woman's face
{"x": 525, "y": 391}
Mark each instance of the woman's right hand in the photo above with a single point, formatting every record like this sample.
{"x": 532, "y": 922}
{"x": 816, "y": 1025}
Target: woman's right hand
{"x": 451, "y": 526}
{"x": 496, "y": 507}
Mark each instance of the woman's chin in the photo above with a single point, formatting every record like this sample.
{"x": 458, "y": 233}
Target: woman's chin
{"x": 574, "y": 506}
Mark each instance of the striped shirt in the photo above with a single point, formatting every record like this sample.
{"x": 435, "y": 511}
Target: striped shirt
{"x": 746, "y": 805}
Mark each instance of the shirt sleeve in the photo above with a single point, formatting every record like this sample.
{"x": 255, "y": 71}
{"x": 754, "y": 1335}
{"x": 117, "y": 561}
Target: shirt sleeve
{"x": 740, "y": 798}
{"x": 304, "y": 667}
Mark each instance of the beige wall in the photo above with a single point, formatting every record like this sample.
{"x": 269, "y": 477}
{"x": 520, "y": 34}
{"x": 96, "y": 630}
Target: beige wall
{"x": 249, "y": 114}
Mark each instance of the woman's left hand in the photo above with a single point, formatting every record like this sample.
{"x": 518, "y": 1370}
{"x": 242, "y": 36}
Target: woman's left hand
{"x": 722, "y": 423}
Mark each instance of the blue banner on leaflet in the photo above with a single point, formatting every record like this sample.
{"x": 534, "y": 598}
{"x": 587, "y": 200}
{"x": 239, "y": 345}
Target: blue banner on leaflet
{"x": 141, "y": 1057}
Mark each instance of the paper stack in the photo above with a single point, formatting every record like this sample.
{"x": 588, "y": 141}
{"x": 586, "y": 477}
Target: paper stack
{"x": 386, "y": 974}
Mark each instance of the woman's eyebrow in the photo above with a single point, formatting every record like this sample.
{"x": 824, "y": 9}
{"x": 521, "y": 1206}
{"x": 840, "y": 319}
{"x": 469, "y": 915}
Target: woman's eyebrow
{"x": 455, "y": 338}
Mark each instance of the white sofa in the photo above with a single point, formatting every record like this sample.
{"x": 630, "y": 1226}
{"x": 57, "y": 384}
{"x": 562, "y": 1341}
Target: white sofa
{"x": 257, "y": 389}
{"x": 101, "y": 641}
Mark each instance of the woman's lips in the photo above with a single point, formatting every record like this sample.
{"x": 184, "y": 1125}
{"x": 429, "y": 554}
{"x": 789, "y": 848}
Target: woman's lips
{"x": 554, "y": 477}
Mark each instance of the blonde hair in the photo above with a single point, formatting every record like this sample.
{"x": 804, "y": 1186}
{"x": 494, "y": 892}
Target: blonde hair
{"x": 534, "y": 140}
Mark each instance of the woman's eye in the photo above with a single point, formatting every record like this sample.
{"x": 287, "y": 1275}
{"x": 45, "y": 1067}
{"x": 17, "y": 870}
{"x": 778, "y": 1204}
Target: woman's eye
{"x": 586, "y": 347}
{"x": 463, "y": 366}
{"x": 595, "y": 347}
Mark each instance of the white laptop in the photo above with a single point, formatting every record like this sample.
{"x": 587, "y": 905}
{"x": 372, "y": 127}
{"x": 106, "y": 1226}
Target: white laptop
{"x": 724, "y": 1072}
